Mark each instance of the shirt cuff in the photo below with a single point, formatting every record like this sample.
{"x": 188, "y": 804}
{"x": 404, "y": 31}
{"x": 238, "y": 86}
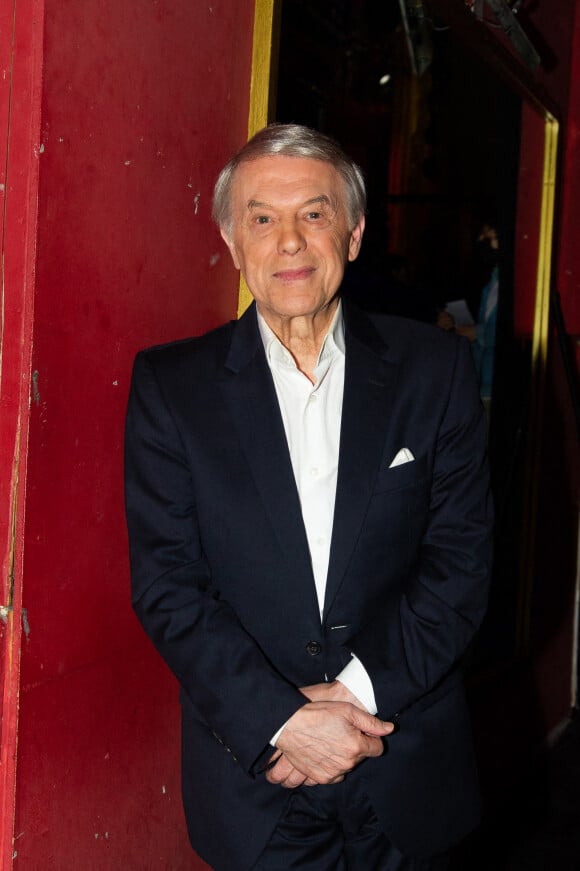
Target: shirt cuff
{"x": 355, "y": 678}
{"x": 277, "y": 735}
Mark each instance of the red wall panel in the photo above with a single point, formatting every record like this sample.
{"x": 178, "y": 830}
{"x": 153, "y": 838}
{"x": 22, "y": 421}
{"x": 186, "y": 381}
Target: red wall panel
{"x": 556, "y": 31}
{"x": 569, "y": 271}
{"x": 555, "y": 28}
{"x": 142, "y": 103}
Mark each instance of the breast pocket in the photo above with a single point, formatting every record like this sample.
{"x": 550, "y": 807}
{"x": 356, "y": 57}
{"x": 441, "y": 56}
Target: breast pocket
{"x": 408, "y": 474}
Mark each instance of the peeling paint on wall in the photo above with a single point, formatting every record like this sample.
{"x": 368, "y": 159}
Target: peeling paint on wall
{"x": 35, "y": 391}
{"x": 25, "y": 623}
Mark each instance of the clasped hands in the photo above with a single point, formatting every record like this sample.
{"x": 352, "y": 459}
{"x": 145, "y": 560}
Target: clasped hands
{"x": 326, "y": 738}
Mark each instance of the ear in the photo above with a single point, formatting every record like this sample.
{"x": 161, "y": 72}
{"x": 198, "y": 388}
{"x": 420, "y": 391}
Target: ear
{"x": 355, "y": 239}
{"x": 231, "y": 245}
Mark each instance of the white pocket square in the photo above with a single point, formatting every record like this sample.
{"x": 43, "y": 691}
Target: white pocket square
{"x": 403, "y": 456}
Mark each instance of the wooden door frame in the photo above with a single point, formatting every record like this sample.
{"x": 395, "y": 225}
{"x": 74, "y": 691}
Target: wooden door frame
{"x": 21, "y": 48}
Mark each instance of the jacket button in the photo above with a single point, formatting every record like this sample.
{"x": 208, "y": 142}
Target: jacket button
{"x": 314, "y": 648}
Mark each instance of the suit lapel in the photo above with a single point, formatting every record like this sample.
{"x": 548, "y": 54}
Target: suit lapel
{"x": 369, "y": 387}
{"x": 249, "y": 393}
{"x": 248, "y": 390}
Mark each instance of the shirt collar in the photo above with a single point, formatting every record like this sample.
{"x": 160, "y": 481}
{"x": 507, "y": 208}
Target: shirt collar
{"x": 332, "y": 344}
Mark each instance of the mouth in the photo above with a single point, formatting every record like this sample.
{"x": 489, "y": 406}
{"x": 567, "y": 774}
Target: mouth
{"x": 289, "y": 275}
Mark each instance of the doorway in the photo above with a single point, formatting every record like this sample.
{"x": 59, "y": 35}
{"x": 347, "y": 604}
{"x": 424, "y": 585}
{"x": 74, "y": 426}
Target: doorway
{"x": 441, "y": 155}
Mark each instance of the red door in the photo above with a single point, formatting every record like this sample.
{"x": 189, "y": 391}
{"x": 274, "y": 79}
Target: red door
{"x": 115, "y": 118}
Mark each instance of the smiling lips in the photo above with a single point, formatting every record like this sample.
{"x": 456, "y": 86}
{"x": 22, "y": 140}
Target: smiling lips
{"x": 288, "y": 275}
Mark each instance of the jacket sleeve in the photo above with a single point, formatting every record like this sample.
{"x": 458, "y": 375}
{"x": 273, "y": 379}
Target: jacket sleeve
{"x": 411, "y": 647}
{"x": 229, "y": 681}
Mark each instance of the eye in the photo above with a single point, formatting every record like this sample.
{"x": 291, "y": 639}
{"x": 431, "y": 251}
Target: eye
{"x": 262, "y": 219}
{"x": 319, "y": 217}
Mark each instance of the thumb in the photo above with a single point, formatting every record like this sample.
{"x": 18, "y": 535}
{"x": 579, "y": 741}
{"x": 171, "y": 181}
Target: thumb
{"x": 370, "y": 725}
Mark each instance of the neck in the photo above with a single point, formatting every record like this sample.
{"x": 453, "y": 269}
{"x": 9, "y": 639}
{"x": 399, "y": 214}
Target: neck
{"x": 303, "y": 335}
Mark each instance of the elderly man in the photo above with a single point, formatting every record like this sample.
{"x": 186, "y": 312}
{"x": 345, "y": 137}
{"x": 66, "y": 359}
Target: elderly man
{"x": 309, "y": 521}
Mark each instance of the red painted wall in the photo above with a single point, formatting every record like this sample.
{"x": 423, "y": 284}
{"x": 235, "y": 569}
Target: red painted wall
{"x": 143, "y": 100}
{"x": 555, "y": 29}
{"x": 569, "y": 266}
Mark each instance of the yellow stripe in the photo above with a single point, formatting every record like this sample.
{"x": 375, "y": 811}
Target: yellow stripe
{"x": 540, "y": 341}
{"x": 259, "y": 94}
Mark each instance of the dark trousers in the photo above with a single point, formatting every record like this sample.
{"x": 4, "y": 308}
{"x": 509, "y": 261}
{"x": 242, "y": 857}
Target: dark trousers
{"x": 334, "y": 828}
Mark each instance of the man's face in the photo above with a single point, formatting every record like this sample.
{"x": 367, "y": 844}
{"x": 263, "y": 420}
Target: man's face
{"x": 290, "y": 234}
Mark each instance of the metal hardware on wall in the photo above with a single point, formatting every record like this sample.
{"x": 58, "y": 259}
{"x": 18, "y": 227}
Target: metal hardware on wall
{"x": 511, "y": 26}
{"x": 417, "y": 26}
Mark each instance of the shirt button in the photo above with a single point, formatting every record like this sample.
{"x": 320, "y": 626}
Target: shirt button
{"x": 313, "y": 398}
{"x": 314, "y": 471}
{"x": 314, "y": 648}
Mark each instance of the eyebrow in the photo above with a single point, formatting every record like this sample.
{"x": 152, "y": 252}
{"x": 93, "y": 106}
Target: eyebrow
{"x": 321, "y": 199}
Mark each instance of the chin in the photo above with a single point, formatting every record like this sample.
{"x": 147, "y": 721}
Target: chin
{"x": 304, "y": 304}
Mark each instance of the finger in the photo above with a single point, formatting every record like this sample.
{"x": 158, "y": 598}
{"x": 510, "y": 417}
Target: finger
{"x": 373, "y": 734}
{"x": 285, "y": 774}
{"x": 338, "y": 779}
{"x": 368, "y": 724}
{"x": 271, "y": 762}
{"x": 374, "y": 746}
{"x": 274, "y": 757}
{"x": 279, "y": 771}
{"x": 294, "y": 779}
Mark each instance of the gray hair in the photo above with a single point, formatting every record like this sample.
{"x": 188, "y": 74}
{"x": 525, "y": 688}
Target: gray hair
{"x": 291, "y": 140}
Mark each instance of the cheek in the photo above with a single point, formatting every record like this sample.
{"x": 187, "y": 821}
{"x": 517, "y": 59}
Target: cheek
{"x": 339, "y": 256}
{"x": 341, "y": 246}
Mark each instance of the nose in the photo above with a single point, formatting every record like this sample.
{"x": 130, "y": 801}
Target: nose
{"x": 290, "y": 239}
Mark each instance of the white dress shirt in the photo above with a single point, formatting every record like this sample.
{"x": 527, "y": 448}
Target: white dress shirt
{"x": 311, "y": 414}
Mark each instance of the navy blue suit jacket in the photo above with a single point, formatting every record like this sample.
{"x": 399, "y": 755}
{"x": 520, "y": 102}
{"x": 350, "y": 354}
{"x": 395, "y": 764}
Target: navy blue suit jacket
{"x": 223, "y": 584}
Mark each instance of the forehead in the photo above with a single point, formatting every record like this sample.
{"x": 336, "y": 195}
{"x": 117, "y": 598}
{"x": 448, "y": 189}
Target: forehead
{"x": 279, "y": 179}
